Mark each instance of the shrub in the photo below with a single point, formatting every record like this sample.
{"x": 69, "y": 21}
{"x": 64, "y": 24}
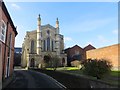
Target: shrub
{"x": 96, "y": 67}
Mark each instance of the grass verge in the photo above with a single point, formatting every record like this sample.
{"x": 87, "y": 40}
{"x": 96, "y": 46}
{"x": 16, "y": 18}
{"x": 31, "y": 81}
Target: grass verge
{"x": 111, "y": 78}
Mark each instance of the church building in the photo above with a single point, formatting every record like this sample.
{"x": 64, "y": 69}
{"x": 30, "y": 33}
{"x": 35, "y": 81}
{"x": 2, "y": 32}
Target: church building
{"x": 45, "y": 41}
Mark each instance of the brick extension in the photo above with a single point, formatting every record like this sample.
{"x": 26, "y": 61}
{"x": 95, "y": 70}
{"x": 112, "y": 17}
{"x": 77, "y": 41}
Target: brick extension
{"x": 110, "y": 53}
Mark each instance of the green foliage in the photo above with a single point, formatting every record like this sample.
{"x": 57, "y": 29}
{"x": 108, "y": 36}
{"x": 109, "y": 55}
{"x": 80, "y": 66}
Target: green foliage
{"x": 47, "y": 58}
{"x": 65, "y": 68}
{"x": 51, "y": 61}
{"x": 115, "y": 73}
{"x": 96, "y": 68}
{"x": 55, "y": 62}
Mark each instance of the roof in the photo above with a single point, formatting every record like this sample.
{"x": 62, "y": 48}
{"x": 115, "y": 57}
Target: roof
{"x": 8, "y": 16}
{"x": 76, "y": 46}
{"x": 42, "y": 27}
{"x": 89, "y": 47}
{"x": 67, "y": 49}
{"x": 48, "y": 26}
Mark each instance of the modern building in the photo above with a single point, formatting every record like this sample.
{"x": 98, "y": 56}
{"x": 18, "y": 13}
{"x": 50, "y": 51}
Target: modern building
{"x": 45, "y": 41}
{"x": 77, "y": 53}
{"x": 7, "y": 40}
{"x": 18, "y": 50}
{"x": 17, "y": 56}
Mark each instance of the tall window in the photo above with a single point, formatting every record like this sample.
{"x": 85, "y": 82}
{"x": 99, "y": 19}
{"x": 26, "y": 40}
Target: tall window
{"x": 41, "y": 34}
{"x": 44, "y": 46}
{"x": 48, "y": 32}
{"x": 3, "y": 32}
{"x": 48, "y": 44}
{"x": 32, "y": 46}
{"x": 52, "y": 45}
{"x": 10, "y": 39}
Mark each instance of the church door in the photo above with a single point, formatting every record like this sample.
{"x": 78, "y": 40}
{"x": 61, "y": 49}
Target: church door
{"x": 63, "y": 61}
{"x": 32, "y": 63}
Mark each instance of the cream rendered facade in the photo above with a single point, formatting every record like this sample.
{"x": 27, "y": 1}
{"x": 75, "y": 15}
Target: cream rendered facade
{"x": 46, "y": 40}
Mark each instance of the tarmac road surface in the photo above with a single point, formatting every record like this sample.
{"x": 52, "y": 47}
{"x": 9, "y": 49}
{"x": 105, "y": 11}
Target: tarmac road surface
{"x": 33, "y": 79}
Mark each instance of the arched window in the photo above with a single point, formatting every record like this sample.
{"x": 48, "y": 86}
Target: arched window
{"x": 32, "y": 46}
{"x": 52, "y": 45}
{"x": 44, "y": 45}
{"x": 48, "y": 32}
{"x": 48, "y": 44}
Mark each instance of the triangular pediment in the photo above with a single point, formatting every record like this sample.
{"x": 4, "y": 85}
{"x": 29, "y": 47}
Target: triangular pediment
{"x": 47, "y": 26}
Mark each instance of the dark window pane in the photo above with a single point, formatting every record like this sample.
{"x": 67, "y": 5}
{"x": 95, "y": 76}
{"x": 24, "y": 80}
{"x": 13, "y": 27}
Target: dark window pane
{"x": 52, "y": 45}
{"x": 44, "y": 46}
{"x": 32, "y": 46}
{"x": 48, "y": 44}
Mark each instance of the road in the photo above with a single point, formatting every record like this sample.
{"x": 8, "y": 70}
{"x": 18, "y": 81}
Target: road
{"x": 32, "y": 79}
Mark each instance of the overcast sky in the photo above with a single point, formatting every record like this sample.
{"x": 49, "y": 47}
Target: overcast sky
{"x": 81, "y": 23}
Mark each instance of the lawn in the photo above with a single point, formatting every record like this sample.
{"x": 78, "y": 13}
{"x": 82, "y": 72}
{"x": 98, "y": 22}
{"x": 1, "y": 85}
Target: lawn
{"x": 110, "y": 78}
{"x": 64, "y": 68}
{"x": 115, "y": 73}
{"x": 76, "y": 70}
{"x": 69, "y": 76}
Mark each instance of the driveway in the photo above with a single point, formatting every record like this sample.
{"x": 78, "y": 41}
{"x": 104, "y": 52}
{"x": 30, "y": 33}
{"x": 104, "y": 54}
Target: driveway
{"x": 33, "y": 79}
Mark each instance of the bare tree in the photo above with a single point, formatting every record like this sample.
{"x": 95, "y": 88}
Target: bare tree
{"x": 55, "y": 62}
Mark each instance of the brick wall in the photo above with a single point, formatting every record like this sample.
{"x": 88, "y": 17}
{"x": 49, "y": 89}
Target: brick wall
{"x": 76, "y": 49}
{"x": 88, "y": 47}
{"x": 109, "y": 53}
{"x": 73, "y": 51}
{"x": 0, "y": 62}
{"x": 5, "y": 46}
{"x": 0, "y": 50}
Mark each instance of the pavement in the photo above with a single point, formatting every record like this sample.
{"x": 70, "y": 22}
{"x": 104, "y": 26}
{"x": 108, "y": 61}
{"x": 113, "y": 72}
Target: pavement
{"x": 32, "y": 79}
{"x": 0, "y": 85}
{"x": 7, "y": 81}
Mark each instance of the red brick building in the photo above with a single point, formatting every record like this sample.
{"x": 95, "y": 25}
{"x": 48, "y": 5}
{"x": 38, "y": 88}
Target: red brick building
{"x": 7, "y": 41}
{"x": 77, "y": 53}
{"x": 87, "y": 48}
{"x": 110, "y": 53}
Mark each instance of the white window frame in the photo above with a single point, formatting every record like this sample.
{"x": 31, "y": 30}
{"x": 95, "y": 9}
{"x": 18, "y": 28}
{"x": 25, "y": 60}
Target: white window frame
{"x": 7, "y": 68}
{"x": 9, "y": 60}
{"x": 3, "y": 35}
